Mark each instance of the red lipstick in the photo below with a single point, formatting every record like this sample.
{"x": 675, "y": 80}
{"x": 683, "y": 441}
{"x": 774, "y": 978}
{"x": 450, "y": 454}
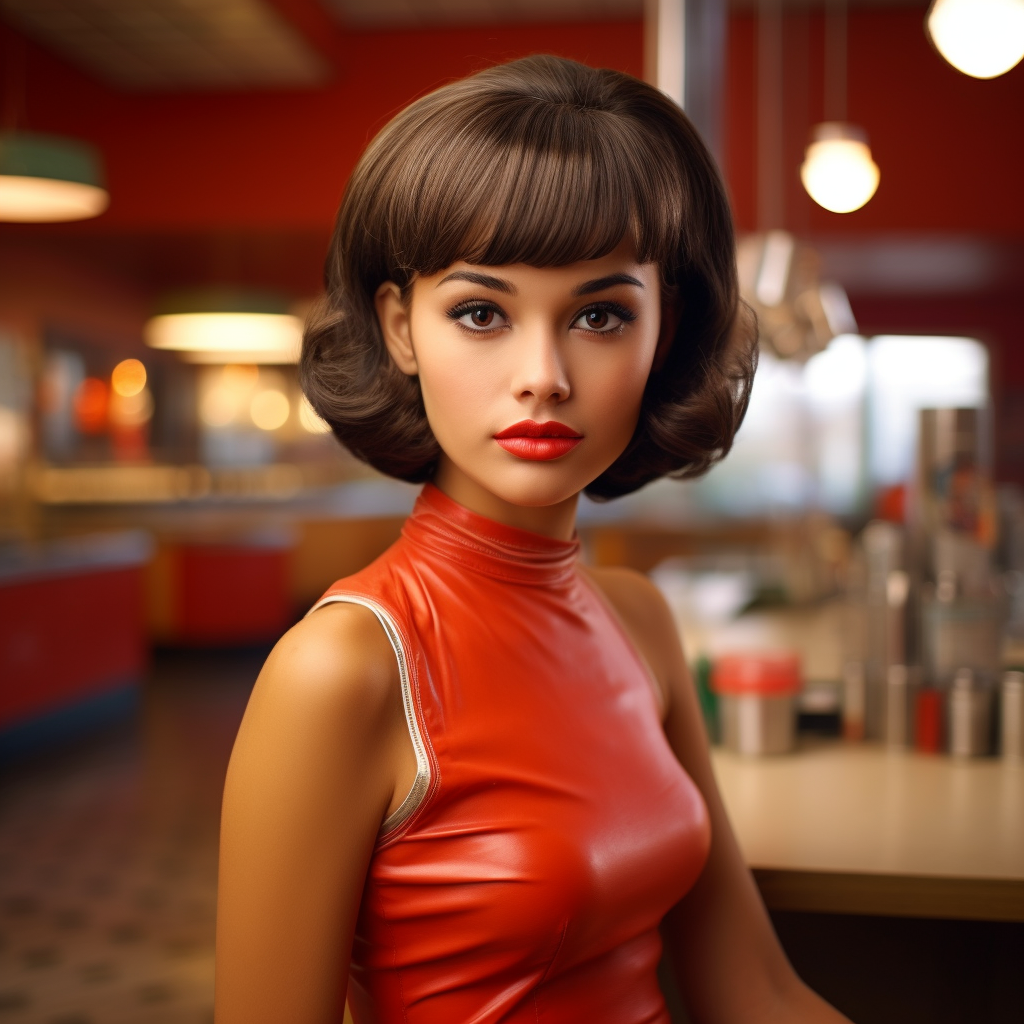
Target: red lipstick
{"x": 538, "y": 442}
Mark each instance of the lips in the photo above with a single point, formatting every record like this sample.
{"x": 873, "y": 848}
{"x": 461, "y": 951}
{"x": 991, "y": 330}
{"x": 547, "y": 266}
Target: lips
{"x": 538, "y": 442}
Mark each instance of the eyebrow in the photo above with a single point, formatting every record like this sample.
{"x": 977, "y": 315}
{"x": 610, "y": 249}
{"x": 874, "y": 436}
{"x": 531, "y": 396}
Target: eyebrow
{"x": 499, "y": 284}
{"x": 599, "y": 284}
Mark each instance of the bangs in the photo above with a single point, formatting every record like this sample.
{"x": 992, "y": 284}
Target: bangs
{"x": 536, "y": 183}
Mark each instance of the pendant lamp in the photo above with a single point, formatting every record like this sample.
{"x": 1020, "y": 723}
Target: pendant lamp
{"x": 981, "y": 38}
{"x": 45, "y": 178}
{"x": 838, "y": 171}
{"x": 226, "y": 326}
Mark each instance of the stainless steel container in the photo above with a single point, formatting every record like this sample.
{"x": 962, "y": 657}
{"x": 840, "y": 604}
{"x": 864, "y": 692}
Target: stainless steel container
{"x": 897, "y": 708}
{"x": 854, "y": 693}
{"x": 1012, "y": 716}
{"x": 970, "y": 709}
{"x": 757, "y": 701}
{"x": 757, "y": 725}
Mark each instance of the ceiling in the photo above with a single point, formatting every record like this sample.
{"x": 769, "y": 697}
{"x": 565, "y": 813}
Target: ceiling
{"x": 172, "y": 45}
{"x": 381, "y": 13}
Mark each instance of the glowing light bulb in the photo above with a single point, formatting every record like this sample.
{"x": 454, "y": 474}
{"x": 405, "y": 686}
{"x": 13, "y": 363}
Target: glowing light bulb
{"x": 838, "y": 171}
{"x": 981, "y": 38}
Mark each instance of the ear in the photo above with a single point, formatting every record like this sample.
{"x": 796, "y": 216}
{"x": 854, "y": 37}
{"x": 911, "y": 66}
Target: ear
{"x": 393, "y": 317}
{"x": 666, "y": 335}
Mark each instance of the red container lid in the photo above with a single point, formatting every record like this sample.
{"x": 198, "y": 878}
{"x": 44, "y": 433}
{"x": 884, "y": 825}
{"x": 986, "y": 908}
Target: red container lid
{"x": 768, "y": 674}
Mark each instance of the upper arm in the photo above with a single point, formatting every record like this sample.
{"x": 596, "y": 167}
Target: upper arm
{"x": 720, "y": 930}
{"x": 310, "y": 778}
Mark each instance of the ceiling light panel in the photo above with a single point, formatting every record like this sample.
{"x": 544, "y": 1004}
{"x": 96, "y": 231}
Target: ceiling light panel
{"x": 174, "y": 44}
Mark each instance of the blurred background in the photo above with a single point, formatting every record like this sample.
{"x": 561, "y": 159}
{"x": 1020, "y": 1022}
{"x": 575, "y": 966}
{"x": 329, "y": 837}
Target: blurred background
{"x": 849, "y": 583}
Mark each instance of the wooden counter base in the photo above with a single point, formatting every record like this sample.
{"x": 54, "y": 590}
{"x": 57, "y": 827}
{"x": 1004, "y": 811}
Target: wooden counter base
{"x": 972, "y": 899}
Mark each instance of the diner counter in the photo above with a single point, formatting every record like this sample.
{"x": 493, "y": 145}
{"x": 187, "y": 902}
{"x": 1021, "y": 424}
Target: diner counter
{"x": 856, "y": 828}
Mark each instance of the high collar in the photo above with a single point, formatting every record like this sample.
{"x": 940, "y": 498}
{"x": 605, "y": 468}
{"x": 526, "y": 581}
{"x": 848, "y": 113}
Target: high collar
{"x": 443, "y": 526}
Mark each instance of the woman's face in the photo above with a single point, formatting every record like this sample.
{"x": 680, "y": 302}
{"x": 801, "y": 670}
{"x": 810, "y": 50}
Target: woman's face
{"x": 531, "y": 377}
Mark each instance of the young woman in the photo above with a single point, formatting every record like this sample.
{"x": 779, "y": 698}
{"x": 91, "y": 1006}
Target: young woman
{"x": 473, "y": 784}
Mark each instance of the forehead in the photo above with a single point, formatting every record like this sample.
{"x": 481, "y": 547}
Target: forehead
{"x": 618, "y": 267}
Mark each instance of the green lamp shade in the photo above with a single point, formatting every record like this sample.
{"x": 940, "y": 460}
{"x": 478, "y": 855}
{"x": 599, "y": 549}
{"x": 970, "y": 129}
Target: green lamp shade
{"x": 49, "y": 178}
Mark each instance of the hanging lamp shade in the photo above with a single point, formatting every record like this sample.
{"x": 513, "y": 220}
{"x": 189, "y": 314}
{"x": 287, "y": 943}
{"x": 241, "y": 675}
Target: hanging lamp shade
{"x": 226, "y": 326}
{"x": 981, "y": 38}
{"x": 838, "y": 171}
{"x": 46, "y": 178}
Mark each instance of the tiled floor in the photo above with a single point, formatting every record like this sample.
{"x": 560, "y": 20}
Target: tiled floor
{"x": 108, "y": 858}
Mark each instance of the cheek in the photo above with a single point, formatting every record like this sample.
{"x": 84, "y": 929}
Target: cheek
{"x": 458, "y": 387}
{"x": 616, "y": 386}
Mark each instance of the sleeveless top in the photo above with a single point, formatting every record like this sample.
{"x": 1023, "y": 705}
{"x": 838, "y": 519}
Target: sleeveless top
{"x": 550, "y": 826}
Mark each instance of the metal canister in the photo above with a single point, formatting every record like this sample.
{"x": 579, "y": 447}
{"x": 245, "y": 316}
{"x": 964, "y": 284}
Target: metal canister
{"x": 854, "y": 693}
{"x": 897, "y": 707}
{"x": 757, "y": 701}
{"x": 970, "y": 707}
{"x": 1012, "y": 715}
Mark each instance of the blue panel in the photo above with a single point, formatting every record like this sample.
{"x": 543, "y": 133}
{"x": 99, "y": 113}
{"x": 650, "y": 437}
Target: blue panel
{"x": 71, "y": 721}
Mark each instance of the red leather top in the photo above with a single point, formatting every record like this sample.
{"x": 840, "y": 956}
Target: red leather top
{"x": 551, "y": 827}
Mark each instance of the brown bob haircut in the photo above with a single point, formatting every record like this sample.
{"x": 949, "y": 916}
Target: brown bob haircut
{"x": 546, "y": 162}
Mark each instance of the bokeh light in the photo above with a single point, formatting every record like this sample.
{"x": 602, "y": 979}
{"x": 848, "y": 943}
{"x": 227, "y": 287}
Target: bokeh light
{"x": 219, "y": 406}
{"x": 981, "y": 38}
{"x": 240, "y": 376}
{"x": 132, "y": 410}
{"x": 270, "y": 409}
{"x": 128, "y": 378}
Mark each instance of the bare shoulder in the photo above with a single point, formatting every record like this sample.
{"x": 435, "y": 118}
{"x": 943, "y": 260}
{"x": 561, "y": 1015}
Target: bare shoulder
{"x": 646, "y": 618}
{"x": 630, "y": 591}
{"x": 336, "y": 668}
{"x": 339, "y": 648}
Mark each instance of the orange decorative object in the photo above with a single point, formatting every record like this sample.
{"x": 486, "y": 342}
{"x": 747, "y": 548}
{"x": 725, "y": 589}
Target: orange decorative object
{"x": 550, "y": 827}
{"x": 91, "y": 406}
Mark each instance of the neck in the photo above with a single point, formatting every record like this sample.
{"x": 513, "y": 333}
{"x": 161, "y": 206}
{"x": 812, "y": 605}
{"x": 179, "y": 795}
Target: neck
{"x": 557, "y": 521}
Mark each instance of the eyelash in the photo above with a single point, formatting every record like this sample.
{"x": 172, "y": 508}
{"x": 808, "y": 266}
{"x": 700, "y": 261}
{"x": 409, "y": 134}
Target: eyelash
{"x": 457, "y": 312}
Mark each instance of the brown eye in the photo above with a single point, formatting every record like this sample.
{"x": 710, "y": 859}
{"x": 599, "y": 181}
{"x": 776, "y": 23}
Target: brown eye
{"x": 479, "y": 318}
{"x": 601, "y": 321}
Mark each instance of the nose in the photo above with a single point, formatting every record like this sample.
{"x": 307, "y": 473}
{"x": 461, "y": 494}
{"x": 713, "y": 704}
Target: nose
{"x": 540, "y": 371}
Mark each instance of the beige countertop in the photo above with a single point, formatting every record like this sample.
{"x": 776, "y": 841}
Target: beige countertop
{"x": 856, "y": 828}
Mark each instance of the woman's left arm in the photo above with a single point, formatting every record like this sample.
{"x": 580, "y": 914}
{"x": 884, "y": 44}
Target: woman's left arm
{"x": 727, "y": 958}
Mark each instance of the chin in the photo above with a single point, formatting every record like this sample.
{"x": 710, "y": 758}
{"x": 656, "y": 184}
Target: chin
{"x": 537, "y": 485}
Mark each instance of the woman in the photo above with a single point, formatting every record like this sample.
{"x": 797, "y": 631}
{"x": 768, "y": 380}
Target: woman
{"x": 472, "y": 783}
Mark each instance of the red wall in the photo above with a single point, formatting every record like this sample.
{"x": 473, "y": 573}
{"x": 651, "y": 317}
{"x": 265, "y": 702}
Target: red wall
{"x": 950, "y": 147}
